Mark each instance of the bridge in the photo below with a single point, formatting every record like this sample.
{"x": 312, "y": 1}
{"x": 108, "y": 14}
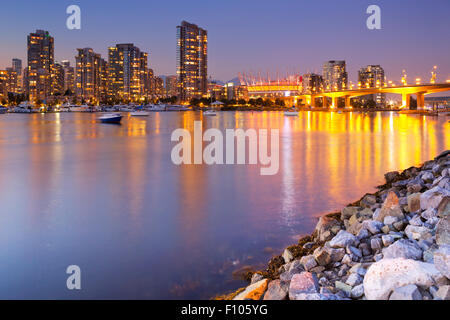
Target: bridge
{"x": 294, "y": 92}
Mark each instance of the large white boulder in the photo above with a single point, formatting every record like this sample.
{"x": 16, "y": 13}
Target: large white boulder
{"x": 386, "y": 275}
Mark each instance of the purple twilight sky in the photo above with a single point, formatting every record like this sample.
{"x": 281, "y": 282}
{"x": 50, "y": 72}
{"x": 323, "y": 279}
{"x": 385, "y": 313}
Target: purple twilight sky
{"x": 252, "y": 35}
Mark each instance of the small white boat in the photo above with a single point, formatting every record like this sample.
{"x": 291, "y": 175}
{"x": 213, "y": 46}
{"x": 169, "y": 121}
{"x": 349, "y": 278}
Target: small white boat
{"x": 110, "y": 118}
{"x": 140, "y": 114}
{"x": 23, "y": 107}
{"x": 156, "y": 107}
{"x": 176, "y": 108}
{"x": 291, "y": 113}
{"x": 209, "y": 113}
{"x": 126, "y": 109}
{"x": 83, "y": 108}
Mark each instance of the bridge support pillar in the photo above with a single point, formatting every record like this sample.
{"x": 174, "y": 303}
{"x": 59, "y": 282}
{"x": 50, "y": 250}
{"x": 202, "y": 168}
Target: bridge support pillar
{"x": 334, "y": 103}
{"x": 347, "y": 102}
{"x": 324, "y": 102}
{"x": 313, "y": 101}
{"x": 420, "y": 101}
{"x": 406, "y": 100}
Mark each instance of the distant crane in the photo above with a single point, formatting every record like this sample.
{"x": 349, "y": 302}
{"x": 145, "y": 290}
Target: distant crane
{"x": 404, "y": 78}
{"x": 433, "y": 75}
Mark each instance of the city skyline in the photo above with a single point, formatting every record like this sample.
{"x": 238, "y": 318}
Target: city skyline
{"x": 266, "y": 45}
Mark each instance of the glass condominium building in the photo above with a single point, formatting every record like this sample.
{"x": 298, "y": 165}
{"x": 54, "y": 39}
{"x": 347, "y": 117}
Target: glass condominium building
{"x": 192, "y": 61}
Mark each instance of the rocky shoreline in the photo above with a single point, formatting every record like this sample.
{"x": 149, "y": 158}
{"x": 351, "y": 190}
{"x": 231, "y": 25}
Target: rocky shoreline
{"x": 390, "y": 245}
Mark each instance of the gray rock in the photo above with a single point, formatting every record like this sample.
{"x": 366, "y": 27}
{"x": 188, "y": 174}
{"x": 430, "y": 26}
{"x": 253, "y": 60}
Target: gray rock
{"x": 366, "y": 213}
{"x": 358, "y": 291}
{"x": 400, "y": 225}
{"x": 433, "y": 197}
{"x": 387, "y": 240}
{"x": 385, "y": 229}
{"x": 390, "y": 207}
{"x": 443, "y": 293}
{"x": 342, "y": 240}
{"x": 353, "y": 279}
{"x": 309, "y": 245}
{"x": 368, "y": 200}
{"x": 408, "y": 292}
{"x": 429, "y": 214}
{"x": 375, "y": 244}
{"x": 359, "y": 269}
{"x": 347, "y": 212}
{"x": 402, "y": 248}
{"x": 416, "y": 221}
{"x": 323, "y": 282}
{"x": 443, "y": 231}
{"x": 303, "y": 283}
{"x": 314, "y": 296}
{"x": 287, "y": 256}
{"x": 365, "y": 249}
{"x": 343, "y": 287}
{"x": 390, "y": 220}
{"x": 324, "y": 227}
{"x": 432, "y": 222}
{"x": 354, "y": 251}
{"x": 294, "y": 268}
{"x": 378, "y": 257}
{"x": 414, "y": 202}
{"x": 256, "y": 277}
{"x": 277, "y": 290}
{"x": 443, "y": 209}
{"x": 442, "y": 260}
{"x": 414, "y": 187}
{"x": 373, "y": 226}
{"x": 417, "y": 233}
{"x": 346, "y": 259}
{"x": 427, "y": 176}
{"x": 308, "y": 262}
{"x": 390, "y": 177}
{"x": 363, "y": 234}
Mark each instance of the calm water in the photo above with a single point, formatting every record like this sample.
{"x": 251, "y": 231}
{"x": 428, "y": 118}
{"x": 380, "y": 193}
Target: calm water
{"x": 109, "y": 199}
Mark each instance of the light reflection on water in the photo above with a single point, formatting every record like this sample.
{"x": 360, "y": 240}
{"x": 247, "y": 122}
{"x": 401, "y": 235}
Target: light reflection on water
{"x": 108, "y": 198}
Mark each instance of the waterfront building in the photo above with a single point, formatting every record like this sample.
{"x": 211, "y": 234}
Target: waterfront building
{"x": 3, "y": 85}
{"x": 312, "y": 83}
{"x": 128, "y": 73}
{"x": 69, "y": 76}
{"x": 334, "y": 75}
{"x": 192, "y": 61}
{"x": 158, "y": 87}
{"x": 90, "y": 76}
{"x": 17, "y": 68}
{"x": 170, "y": 86}
{"x": 40, "y": 58}
{"x": 372, "y": 76}
{"x": 12, "y": 81}
{"x": 235, "y": 92}
{"x": 216, "y": 91}
{"x": 57, "y": 79}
